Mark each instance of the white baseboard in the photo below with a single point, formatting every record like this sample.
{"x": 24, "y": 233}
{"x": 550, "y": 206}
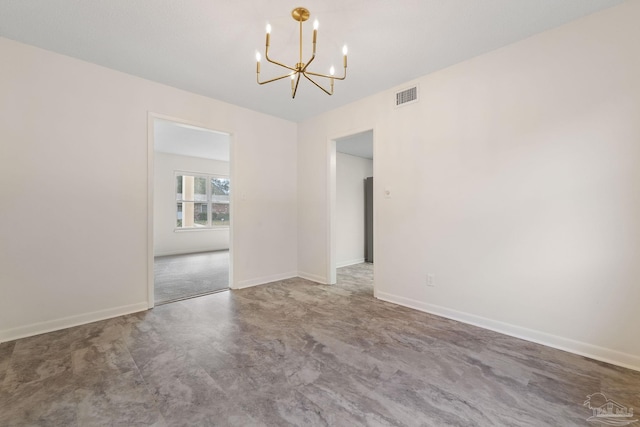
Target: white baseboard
{"x": 264, "y": 280}
{"x": 348, "y": 263}
{"x": 312, "y": 277}
{"x": 602, "y": 354}
{"x": 68, "y": 322}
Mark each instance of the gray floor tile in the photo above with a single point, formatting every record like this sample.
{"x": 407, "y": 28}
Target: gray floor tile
{"x": 297, "y": 353}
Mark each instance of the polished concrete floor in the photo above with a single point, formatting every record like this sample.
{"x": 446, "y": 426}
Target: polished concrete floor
{"x": 185, "y": 276}
{"x": 297, "y": 353}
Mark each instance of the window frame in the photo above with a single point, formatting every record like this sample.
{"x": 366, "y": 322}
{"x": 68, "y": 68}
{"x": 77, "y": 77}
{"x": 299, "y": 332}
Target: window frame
{"x": 209, "y": 201}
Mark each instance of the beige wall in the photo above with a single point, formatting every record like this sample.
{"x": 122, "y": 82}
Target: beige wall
{"x": 515, "y": 182}
{"x": 73, "y": 160}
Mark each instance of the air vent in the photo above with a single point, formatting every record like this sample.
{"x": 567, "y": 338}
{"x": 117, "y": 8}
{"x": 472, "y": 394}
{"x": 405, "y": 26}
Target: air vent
{"x": 407, "y": 96}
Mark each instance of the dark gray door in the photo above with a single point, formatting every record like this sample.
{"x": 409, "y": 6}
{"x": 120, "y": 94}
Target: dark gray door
{"x": 368, "y": 218}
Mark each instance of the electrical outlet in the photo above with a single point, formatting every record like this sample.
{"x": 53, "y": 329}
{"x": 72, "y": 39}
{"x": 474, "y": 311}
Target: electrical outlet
{"x": 431, "y": 281}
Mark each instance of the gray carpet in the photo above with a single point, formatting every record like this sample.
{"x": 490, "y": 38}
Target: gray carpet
{"x": 184, "y": 276}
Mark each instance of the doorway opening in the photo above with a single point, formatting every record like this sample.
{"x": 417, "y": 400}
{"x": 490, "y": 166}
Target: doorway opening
{"x": 351, "y": 221}
{"x": 190, "y": 183}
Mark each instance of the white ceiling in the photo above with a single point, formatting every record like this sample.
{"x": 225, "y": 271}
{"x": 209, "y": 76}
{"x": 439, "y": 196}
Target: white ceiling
{"x": 185, "y": 140}
{"x": 208, "y": 46}
{"x": 360, "y": 145}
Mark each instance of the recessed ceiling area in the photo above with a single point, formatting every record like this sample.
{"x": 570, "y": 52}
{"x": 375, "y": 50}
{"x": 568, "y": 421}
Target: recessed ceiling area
{"x": 208, "y": 47}
{"x": 185, "y": 140}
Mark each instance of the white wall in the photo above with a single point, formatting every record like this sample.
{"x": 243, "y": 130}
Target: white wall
{"x": 166, "y": 240}
{"x": 73, "y": 163}
{"x": 350, "y": 236}
{"x": 515, "y": 181}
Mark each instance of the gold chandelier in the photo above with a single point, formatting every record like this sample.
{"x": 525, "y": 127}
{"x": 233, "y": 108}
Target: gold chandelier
{"x": 301, "y": 14}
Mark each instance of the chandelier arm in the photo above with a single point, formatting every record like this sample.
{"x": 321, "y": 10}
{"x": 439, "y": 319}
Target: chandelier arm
{"x": 323, "y": 89}
{"x": 266, "y": 56}
{"x": 328, "y": 76}
{"x": 294, "y": 89}
{"x": 304, "y": 70}
{"x": 278, "y": 63}
{"x": 313, "y": 55}
{"x": 273, "y": 79}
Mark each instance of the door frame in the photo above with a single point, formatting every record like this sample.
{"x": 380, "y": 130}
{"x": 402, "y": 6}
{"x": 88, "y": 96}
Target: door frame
{"x": 151, "y": 117}
{"x": 331, "y": 273}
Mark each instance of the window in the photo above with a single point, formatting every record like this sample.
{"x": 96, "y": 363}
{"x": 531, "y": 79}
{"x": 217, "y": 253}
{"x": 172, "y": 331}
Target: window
{"x": 202, "y": 201}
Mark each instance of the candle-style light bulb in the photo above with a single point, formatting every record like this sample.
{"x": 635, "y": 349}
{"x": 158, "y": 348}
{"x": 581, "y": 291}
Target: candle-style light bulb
{"x": 344, "y": 50}
{"x": 268, "y": 36}
{"x": 258, "y": 56}
{"x": 315, "y": 35}
{"x": 332, "y": 70}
